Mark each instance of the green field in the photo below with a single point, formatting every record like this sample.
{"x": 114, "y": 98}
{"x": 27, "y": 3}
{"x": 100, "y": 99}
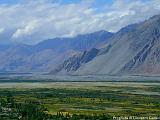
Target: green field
{"x": 83, "y": 99}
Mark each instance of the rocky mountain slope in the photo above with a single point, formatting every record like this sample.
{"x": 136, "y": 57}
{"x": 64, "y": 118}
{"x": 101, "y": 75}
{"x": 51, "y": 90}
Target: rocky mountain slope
{"x": 76, "y": 61}
{"x": 134, "y": 49}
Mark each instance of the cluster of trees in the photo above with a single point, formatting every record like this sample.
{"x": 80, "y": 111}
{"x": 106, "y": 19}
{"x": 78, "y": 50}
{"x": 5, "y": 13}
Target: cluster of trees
{"x": 61, "y": 116}
{"x": 32, "y": 110}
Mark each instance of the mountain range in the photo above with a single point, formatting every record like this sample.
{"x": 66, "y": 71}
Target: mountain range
{"x": 134, "y": 49}
{"x": 46, "y": 55}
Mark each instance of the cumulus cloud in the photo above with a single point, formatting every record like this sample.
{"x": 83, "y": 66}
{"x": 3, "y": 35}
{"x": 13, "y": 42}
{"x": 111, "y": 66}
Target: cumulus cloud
{"x": 32, "y": 21}
{"x": 28, "y": 29}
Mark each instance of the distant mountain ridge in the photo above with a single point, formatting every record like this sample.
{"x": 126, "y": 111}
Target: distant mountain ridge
{"x": 46, "y": 55}
{"x": 80, "y": 42}
{"x": 134, "y": 49}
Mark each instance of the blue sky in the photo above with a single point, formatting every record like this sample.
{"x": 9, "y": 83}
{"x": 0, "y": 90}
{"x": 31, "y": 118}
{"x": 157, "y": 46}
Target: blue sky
{"x": 32, "y": 21}
{"x": 8, "y": 1}
{"x": 98, "y": 2}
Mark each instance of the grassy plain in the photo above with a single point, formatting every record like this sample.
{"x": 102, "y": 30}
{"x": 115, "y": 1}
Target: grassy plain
{"x": 87, "y": 98}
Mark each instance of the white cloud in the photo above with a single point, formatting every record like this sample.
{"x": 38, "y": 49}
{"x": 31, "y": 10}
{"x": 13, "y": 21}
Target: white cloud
{"x": 26, "y": 30}
{"x": 32, "y": 21}
{"x": 1, "y": 30}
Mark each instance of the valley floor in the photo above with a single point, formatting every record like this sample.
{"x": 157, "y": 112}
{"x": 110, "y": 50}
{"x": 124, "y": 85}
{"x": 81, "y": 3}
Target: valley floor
{"x": 107, "y": 99}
